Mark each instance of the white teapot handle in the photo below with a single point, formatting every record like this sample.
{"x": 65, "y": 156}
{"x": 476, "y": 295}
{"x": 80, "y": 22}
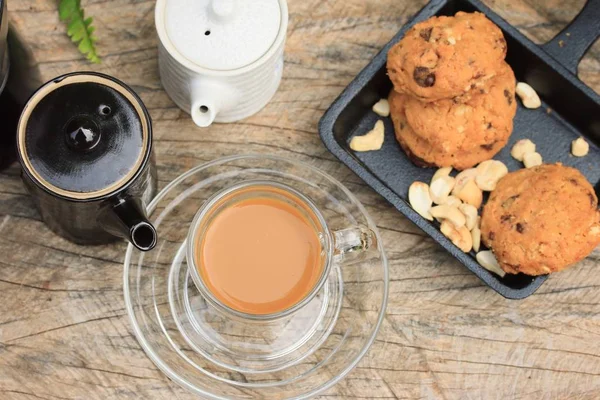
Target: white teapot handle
{"x": 208, "y": 98}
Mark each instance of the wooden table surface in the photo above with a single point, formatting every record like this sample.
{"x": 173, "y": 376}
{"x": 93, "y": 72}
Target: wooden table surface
{"x": 64, "y": 332}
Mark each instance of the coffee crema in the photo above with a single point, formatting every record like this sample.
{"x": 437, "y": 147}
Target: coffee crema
{"x": 260, "y": 252}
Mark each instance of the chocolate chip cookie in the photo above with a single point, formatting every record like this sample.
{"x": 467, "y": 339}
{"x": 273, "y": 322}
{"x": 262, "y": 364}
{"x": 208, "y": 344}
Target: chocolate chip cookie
{"x": 541, "y": 220}
{"x": 445, "y": 57}
{"x": 482, "y": 121}
{"x": 424, "y": 153}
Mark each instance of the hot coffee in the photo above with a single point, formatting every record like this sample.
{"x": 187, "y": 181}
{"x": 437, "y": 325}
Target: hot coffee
{"x": 260, "y": 250}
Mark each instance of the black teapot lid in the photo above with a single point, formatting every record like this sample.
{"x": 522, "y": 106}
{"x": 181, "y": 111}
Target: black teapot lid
{"x": 84, "y": 136}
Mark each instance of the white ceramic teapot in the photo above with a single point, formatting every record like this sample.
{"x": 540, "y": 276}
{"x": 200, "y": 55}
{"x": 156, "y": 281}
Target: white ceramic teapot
{"x": 221, "y": 60}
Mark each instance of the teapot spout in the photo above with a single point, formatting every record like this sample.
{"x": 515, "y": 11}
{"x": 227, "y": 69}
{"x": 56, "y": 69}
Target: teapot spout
{"x": 143, "y": 236}
{"x": 127, "y": 219}
{"x": 207, "y": 98}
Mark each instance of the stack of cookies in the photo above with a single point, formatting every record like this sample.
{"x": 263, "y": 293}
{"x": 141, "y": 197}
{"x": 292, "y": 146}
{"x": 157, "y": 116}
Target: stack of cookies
{"x": 453, "y": 101}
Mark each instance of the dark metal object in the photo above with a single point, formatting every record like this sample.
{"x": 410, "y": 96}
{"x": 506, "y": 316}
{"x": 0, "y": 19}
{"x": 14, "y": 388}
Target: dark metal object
{"x": 85, "y": 145}
{"x": 19, "y": 76}
{"x": 10, "y": 103}
{"x": 4, "y": 58}
{"x": 570, "y": 109}
{"x": 9, "y": 107}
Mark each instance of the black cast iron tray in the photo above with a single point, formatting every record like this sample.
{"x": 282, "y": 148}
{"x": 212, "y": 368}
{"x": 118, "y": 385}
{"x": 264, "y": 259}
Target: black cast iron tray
{"x": 570, "y": 109}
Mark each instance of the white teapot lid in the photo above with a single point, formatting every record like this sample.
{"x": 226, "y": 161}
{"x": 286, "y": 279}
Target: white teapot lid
{"x": 220, "y": 35}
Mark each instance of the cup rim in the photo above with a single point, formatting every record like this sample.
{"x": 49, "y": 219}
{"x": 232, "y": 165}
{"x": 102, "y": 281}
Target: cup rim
{"x": 327, "y": 238}
{"x": 159, "y": 18}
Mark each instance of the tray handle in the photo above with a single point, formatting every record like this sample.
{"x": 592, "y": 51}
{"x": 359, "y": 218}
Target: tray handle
{"x": 570, "y": 45}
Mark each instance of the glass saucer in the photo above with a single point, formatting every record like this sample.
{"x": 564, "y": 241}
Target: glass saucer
{"x": 220, "y": 356}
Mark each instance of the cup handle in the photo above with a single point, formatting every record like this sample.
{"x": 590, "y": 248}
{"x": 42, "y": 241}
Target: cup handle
{"x": 208, "y": 98}
{"x": 355, "y": 243}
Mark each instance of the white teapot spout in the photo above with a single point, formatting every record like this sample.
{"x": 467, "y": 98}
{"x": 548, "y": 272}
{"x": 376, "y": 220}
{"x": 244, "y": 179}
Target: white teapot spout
{"x": 208, "y": 98}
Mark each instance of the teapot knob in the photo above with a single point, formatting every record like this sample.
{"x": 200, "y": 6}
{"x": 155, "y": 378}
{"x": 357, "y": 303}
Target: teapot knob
{"x": 222, "y": 10}
{"x": 82, "y": 134}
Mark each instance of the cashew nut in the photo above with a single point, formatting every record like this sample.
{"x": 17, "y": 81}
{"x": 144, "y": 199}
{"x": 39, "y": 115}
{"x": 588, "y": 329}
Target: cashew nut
{"x": 450, "y": 213}
{"x": 521, "y": 148}
{"x": 489, "y": 173}
{"x": 452, "y": 201}
{"x": 461, "y": 237}
{"x": 382, "y": 108}
{"x": 463, "y": 178}
{"x": 445, "y": 171}
{"x": 471, "y": 194}
{"x": 419, "y": 199}
{"x": 488, "y": 261}
{"x": 440, "y": 188}
{"x": 579, "y": 147}
{"x": 532, "y": 160}
{"x": 373, "y": 140}
{"x": 476, "y": 237}
{"x": 470, "y": 213}
{"x": 528, "y": 95}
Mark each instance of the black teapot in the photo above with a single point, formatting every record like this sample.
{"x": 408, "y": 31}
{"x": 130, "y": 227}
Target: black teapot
{"x": 84, "y": 142}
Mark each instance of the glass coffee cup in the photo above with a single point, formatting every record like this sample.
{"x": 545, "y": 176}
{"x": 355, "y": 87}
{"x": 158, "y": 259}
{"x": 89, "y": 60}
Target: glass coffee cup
{"x": 297, "y": 352}
{"x": 333, "y": 246}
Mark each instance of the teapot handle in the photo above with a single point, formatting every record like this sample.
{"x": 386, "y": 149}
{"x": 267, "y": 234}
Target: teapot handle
{"x": 127, "y": 219}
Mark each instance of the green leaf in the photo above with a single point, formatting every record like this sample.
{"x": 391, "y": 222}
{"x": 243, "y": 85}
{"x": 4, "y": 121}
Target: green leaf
{"x": 67, "y": 7}
{"x": 79, "y": 28}
{"x": 76, "y": 30}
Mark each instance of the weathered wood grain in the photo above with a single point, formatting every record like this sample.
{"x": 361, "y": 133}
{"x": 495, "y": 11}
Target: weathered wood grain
{"x": 64, "y": 332}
